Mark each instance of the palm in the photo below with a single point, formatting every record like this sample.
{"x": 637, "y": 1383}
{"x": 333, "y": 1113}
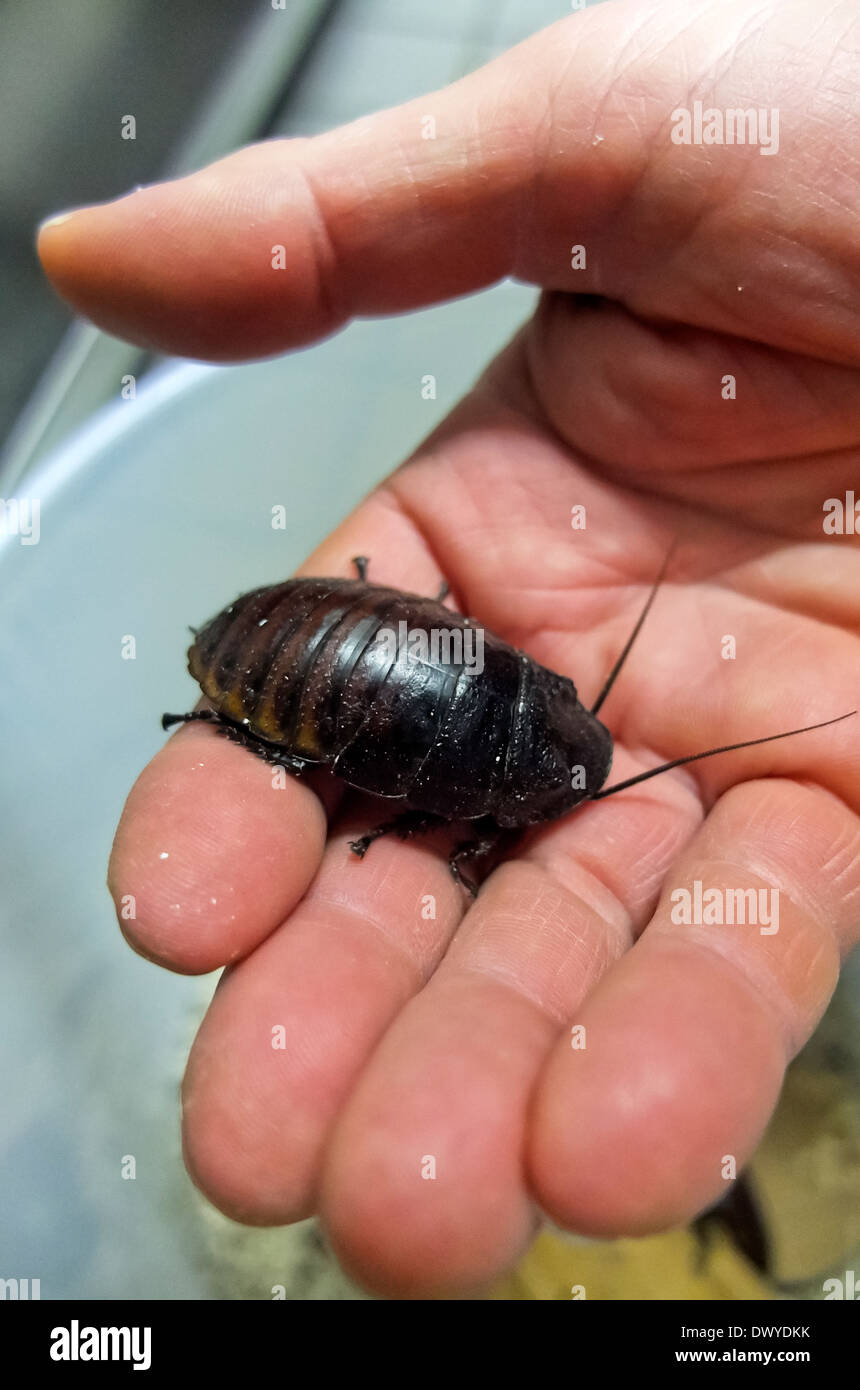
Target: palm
{"x": 416, "y": 1032}
{"x": 491, "y": 497}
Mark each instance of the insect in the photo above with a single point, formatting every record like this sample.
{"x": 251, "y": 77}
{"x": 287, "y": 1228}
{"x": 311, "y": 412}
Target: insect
{"x": 327, "y": 673}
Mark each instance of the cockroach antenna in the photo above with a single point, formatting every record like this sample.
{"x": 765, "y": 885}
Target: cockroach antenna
{"x": 692, "y": 757}
{"x": 613, "y": 674}
{"x": 712, "y": 752}
{"x": 298, "y": 680}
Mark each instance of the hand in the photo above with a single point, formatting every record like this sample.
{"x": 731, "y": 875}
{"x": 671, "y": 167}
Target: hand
{"x": 450, "y": 1037}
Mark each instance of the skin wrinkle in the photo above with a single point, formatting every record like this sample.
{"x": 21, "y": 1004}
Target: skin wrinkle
{"x": 527, "y": 906}
{"x": 781, "y": 237}
{"x": 390, "y": 493}
{"x": 842, "y": 861}
{"x": 422, "y": 963}
{"x": 631, "y": 192}
{"x": 763, "y": 868}
{"x": 762, "y": 578}
{"x": 332, "y": 285}
{"x": 756, "y": 606}
{"x": 838, "y": 802}
{"x": 470, "y": 603}
{"x": 637, "y": 294}
{"x": 751, "y": 30}
{"x": 822, "y": 296}
{"x": 715, "y": 77}
{"x": 662, "y": 855}
{"x": 586, "y": 885}
{"x": 644, "y": 56}
{"x": 586, "y": 862}
{"x": 838, "y": 43}
{"x": 717, "y": 508}
{"x": 637, "y": 401}
{"x": 626, "y": 193}
{"x": 247, "y": 1116}
{"x": 465, "y": 477}
{"x": 555, "y": 1012}
{"x": 761, "y": 980}
{"x": 523, "y": 219}
{"x": 818, "y": 409}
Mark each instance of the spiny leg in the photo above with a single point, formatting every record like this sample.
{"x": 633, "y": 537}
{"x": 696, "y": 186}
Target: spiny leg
{"x": 361, "y": 563}
{"x": 406, "y": 825}
{"x": 489, "y": 835}
{"x": 269, "y": 752}
{"x": 207, "y": 716}
{"x": 278, "y": 757}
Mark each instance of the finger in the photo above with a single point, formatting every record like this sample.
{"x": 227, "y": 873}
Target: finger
{"x": 212, "y": 851}
{"x": 215, "y": 846}
{"x": 687, "y": 1039}
{"x": 550, "y": 146}
{"x": 424, "y": 1189}
{"x": 257, "y": 1105}
{"x": 681, "y": 403}
{"x": 744, "y": 670}
{"x": 291, "y": 1026}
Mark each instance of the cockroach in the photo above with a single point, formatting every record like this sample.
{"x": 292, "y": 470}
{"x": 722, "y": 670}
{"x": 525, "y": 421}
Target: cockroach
{"x": 327, "y": 673}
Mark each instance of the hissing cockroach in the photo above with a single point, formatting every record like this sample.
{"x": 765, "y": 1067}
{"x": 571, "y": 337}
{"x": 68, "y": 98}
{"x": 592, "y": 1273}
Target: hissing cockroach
{"x": 328, "y": 673}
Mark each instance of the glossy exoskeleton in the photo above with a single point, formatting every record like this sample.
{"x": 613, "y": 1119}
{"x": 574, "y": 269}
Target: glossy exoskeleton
{"x": 300, "y": 673}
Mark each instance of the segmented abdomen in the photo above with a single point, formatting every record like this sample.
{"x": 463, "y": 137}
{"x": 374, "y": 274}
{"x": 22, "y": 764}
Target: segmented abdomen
{"x": 302, "y": 665}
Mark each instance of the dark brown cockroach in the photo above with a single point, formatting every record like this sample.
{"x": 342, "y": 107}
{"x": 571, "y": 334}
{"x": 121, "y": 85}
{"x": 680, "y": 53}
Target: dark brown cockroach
{"x": 299, "y": 672}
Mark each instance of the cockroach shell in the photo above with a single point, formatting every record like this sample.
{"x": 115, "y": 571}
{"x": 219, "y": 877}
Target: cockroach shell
{"x": 300, "y": 667}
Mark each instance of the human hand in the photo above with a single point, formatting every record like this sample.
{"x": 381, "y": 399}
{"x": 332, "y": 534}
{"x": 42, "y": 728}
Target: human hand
{"x": 451, "y": 1037}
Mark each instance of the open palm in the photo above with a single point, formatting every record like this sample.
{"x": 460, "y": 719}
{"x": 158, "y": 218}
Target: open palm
{"x": 696, "y": 381}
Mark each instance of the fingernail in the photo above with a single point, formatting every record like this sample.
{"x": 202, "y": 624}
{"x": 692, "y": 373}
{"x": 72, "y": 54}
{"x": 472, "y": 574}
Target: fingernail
{"x": 55, "y": 219}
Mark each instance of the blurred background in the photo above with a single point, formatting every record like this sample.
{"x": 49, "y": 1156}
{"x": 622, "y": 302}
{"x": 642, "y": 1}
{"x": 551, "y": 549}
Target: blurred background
{"x": 154, "y": 510}
{"x": 200, "y": 80}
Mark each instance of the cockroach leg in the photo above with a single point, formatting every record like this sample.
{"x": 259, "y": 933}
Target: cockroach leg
{"x": 405, "y": 826}
{"x": 361, "y": 563}
{"x": 487, "y": 840}
{"x": 269, "y": 752}
{"x": 206, "y": 716}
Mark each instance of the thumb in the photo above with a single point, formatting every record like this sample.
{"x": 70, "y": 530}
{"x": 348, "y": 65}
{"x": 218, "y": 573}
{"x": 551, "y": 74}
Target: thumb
{"x": 564, "y": 141}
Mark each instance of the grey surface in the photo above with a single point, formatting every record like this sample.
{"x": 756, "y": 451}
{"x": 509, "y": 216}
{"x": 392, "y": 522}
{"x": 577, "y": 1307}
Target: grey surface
{"x": 152, "y": 518}
{"x": 231, "y": 108}
{"x": 69, "y": 71}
